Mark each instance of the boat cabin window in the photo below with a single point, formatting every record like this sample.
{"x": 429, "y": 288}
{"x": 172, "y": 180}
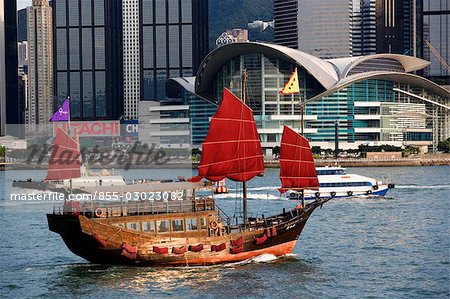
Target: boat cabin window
{"x": 177, "y": 225}
{"x": 148, "y": 226}
{"x": 163, "y": 226}
{"x": 331, "y": 172}
{"x": 133, "y": 226}
{"x": 202, "y": 223}
{"x": 119, "y": 224}
{"x": 352, "y": 184}
{"x": 191, "y": 224}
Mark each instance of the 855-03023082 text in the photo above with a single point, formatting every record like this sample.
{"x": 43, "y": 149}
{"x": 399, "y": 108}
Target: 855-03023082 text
{"x": 105, "y": 196}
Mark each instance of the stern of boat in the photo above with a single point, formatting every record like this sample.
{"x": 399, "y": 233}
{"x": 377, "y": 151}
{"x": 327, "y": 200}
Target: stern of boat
{"x": 68, "y": 226}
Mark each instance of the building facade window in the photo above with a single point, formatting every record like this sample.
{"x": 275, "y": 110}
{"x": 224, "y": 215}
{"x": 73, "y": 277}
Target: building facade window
{"x": 82, "y": 61}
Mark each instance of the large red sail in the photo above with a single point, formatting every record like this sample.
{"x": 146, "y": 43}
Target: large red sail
{"x": 232, "y": 148}
{"x": 65, "y": 158}
{"x": 297, "y": 169}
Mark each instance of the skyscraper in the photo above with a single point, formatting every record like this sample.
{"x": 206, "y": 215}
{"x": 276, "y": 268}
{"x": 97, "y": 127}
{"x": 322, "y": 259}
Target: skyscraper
{"x": 88, "y": 57}
{"x": 436, "y": 39}
{"x": 341, "y": 28}
{"x": 382, "y": 24}
{"x": 285, "y": 14}
{"x": 8, "y": 67}
{"x": 174, "y": 35}
{"x": 2, "y": 69}
{"x": 131, "y": 58}
{"x": 391, "y": 27}
{"x": 40, "y": 62}
{"x": 357, "y": 28}
{"x": 111, "y": 54}
{"x": 413, "y": 28}
{"x": 368, "y": 27}
{"x": 325, "y": 27}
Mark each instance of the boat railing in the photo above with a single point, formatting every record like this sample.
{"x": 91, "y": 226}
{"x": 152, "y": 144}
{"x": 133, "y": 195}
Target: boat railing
{"x": 223, "y": 217}
{"x": 102, "y": 209}
{"x": 260, "y": 222}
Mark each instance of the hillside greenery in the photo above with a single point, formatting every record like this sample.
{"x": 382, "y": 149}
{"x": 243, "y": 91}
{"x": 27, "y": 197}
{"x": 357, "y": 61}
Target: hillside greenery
{"x": 232, "y": 14}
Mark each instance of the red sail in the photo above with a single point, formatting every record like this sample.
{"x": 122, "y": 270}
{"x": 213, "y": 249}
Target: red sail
{"x": 65, "y": 158}
{"x": 232, "y": 148}
{"x": 297, "y": 169}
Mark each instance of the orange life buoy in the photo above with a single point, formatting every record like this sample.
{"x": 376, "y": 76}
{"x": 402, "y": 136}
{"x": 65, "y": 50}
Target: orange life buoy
{"x": 213, "y": 225}
{"x": 98, "y": 212}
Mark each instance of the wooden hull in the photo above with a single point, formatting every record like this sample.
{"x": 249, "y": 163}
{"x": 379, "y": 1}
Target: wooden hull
{"x": 82, "y": 235}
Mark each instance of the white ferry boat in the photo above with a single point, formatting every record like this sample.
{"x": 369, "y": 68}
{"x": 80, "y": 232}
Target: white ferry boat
{"x": 336, "y": 182}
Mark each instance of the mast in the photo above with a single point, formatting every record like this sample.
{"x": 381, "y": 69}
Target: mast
{"x": 302, "y": 113}
{"x": 336, "y": 139}
{"x": 75, "y": 137}
{"x": 244, "y": 183}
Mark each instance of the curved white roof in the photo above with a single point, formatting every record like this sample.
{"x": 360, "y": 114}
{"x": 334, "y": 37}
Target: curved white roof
{"x": 320, "y": 69}
{"x": 332, "y": 74}
{"x": 409, "y": 63}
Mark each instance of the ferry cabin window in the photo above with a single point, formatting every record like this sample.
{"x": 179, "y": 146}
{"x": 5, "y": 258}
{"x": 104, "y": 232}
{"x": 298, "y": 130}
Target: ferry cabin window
{"x": 133, "y": 225}
{"x": 148, "y": 226}
{"x": 119, "y": 224}
{"x": 191, "y": 224}
{"x": 202, "y": 223}
{"x": 163, "y": 226}
{"x": 177, "y": 225}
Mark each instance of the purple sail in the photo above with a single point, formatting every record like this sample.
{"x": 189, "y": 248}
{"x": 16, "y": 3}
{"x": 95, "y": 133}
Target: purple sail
{"x": 63, "y": 112}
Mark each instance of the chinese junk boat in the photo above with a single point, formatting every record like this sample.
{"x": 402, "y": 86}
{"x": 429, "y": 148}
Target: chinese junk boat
{"x": 194, "y": 231}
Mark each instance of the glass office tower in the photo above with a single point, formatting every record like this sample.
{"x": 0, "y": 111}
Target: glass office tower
{"x": 8, "y": 67}
{"x": 325, "y": 28}
{"x": 285, "y": 16}
{"x": 88, "y": 57}
{"x": 174, "y": 36}
{"x": 436, "y": 39}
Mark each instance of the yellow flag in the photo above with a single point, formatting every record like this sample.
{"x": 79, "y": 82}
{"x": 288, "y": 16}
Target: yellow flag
{"x": 292, "y": 85}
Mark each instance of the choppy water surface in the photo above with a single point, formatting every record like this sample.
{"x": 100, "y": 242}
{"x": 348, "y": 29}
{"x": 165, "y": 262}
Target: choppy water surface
{"x": 396, "y": 247}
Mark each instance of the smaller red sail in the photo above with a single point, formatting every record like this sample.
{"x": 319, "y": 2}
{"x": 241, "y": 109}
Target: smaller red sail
{"x": 297, "y": 169}
{"x": 232, "y": 148}
{"x": 65, "y": 158}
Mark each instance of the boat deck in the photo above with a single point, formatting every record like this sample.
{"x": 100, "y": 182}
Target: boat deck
{"x": 103, "y": 209}
{"x": 107, "y": 209}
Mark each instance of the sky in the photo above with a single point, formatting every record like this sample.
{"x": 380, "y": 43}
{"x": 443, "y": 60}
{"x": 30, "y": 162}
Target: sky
{"x": 23, "y": 3}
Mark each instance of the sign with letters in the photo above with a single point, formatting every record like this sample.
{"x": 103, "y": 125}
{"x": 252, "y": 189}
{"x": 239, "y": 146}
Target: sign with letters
{"x": 91, "y": 128}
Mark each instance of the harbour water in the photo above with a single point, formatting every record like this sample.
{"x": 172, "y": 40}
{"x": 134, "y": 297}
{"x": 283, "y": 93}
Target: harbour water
{"x": 393, "y": 247}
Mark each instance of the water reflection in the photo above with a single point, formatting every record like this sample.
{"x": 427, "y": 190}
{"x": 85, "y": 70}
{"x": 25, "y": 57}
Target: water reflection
{"x": 82, "y": 279}
{"x": 86, "y": 277}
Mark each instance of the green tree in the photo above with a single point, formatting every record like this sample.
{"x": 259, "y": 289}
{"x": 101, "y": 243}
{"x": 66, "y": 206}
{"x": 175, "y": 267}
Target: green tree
{"x": 316, "y": 150}
{"x": 444, "y": 145}
{"x": 2, "y": 153}
{"x": 195, "y": 152}
{"x": 412, "y": 150}
{"x": 276, "y": 150}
